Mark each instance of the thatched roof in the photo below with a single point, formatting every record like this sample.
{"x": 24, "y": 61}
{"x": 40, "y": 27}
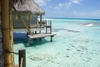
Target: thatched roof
{"x": 29, "y": 6}
{"x": 16, "y": 1}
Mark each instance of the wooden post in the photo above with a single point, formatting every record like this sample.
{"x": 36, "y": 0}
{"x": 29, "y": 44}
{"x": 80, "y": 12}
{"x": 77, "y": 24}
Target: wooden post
{"x": 40, "y": 20}
{"x": 50, "y": 27}
{"x": 46, "y": 28}
{"x": 22, "y": 54}
{"x": 11, "y": 34}
{"x": 5, "y": 32}
{"x": 51, "y": 38}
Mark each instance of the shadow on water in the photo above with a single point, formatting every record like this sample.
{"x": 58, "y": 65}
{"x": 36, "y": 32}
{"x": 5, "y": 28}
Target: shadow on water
{"x": 21, "y": 38}
{"x": 37, "y": 42}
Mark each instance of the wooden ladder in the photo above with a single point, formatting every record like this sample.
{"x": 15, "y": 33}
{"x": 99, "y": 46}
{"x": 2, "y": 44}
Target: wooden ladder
{"x": 49, "y": 25}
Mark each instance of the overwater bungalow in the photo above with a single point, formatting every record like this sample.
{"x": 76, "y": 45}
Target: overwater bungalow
{"x": 28, "y": 13}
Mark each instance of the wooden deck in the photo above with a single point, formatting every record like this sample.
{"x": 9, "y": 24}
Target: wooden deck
{"x": 44, "y": 30}
{"x": 41, "y": 35}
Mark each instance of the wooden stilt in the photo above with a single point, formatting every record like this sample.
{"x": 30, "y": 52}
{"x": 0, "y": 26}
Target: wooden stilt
{"x": 40, "y": 39}
{"x": 29, "y": 41}
{"x": 51, "y": 38}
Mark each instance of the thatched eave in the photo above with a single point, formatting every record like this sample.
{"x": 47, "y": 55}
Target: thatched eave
{"x": 29, "y": 6}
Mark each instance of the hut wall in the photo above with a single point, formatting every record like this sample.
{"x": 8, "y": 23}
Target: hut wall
{"x": 18, "y": 24}
{"x": 30, "y": 20}
{"x": 33, "y": 21}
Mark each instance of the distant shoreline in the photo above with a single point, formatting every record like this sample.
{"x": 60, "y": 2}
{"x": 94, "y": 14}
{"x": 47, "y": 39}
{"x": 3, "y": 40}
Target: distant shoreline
{"x": 72, "y": 18}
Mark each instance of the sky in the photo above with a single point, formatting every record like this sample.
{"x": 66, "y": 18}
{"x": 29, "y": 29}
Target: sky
{"x": 70, "y": 8}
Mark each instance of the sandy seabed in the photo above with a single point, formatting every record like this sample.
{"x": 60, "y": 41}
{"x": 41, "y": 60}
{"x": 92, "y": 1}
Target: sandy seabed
{"x": 76, "y": 47}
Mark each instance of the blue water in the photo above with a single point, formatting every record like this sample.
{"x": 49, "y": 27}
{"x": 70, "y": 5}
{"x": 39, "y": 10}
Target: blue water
{"x": 77, "y": 44}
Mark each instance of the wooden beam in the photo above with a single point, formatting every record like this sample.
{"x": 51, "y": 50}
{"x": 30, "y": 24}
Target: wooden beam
{"x": 29, "y": 20}
{"x": 5, "y": 32}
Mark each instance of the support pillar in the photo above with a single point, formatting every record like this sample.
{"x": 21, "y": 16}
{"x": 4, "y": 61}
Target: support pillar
{"x": 5, "y": 32}
{"x": 11, "y": 34}
{"x": 40, "y": 20}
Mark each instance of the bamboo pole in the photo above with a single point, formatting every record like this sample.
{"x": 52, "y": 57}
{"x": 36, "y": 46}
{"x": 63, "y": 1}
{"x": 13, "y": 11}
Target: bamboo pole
{"x": 21, "y": 19}
{"x": 5, "y": 32}
{"x": 11, "y": 34}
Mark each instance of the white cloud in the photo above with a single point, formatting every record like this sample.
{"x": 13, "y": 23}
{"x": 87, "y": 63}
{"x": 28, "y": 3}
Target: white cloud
{"x": 75, "y": 1}
{"x": 74, "y": 12}
{"x": 54, "y": 12}
{"x": 59, "y": 6}
{"x": 49, "y": 6}
{"x": 41, "y": 2}
{"x": 88, "y": 14}
{"x": 68, "y": 4}
{"x": 57, "y": 12}
{"x": 95, "y": 13}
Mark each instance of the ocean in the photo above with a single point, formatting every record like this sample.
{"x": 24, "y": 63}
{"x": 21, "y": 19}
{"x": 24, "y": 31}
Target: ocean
{"x": 76, "y": 44}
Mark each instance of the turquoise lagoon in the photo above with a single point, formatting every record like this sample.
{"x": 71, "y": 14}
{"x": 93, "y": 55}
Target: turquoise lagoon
{"x": 77, "y": 44}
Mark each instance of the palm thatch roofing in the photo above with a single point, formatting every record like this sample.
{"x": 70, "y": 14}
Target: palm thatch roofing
{"x": 16, "y": 1}
{"x": 28, "y": 6}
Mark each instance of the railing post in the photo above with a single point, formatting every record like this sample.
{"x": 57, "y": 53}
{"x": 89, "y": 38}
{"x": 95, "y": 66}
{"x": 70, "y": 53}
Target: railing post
{"x": 22, "y": 58}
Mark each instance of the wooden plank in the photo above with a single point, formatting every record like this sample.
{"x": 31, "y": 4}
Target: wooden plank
{"x": 40, "y": 35}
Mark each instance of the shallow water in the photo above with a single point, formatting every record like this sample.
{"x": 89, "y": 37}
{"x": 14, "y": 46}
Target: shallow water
{"x": 77, "y": 44}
